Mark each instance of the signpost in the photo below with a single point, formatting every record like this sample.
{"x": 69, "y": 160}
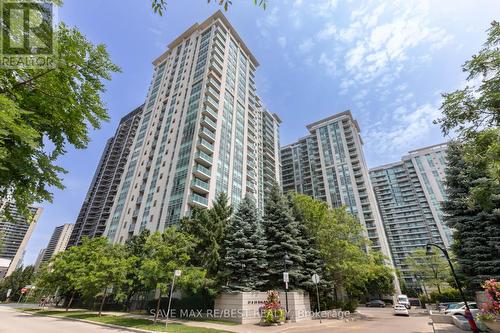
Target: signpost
{"x": 9, "y": 292}
{"x": 315, "y": 279}
{"x": 177, "y": 273}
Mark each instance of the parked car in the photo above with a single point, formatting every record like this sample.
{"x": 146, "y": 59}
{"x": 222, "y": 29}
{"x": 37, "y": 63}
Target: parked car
{"x": 401, "y": 310}
{"x": 376, "y": 303}
{"x": 443, "y": 306}
{"x": 403, "y": 299}
{"x": 458, "y": 309}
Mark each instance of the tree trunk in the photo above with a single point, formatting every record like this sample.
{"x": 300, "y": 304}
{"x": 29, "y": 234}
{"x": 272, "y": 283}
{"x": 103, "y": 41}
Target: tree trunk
{"x": 128, "y": 301}
{"x": 103, "y": 300}
{"x": 157, "y": 308}
{"x": 70, "y": 300}
{"x": 439, "y": 289}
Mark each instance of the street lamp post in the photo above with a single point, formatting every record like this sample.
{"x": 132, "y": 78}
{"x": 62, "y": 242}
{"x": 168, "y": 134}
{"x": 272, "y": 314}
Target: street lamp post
{"x": 468, "y": 313}
{"x": 285, "y": 278}
{"x": 177, "y": 273}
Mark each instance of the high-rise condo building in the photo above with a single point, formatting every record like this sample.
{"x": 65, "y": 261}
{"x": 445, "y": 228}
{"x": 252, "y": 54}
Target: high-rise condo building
{"x": 409, "y": 194}
{"x": 201, "y": 133}
{"x": 58, "y": 241}
{"x": 96, "y": 207}
{"x": 39, "y": 259}
{"x": 329, "y": 165}
{"x": 14, "y": 235}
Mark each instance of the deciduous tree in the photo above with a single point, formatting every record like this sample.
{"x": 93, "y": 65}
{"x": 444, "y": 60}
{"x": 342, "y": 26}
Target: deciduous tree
{"x": 46, "y": 110}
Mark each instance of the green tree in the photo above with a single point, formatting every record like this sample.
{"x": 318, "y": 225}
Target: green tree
{"x": 208, "y": 227}
{"x": 159, "y": 6}
{"x": 431, "y": 269}
{"x": 281, "y": 234}
{"x": 107, "y": 268}
{"x": 303, "y": 210}
{"x": 19, "y": 278}
{"x": 135, "y": 250}
{"x": 44, "y": 111}
{"x": 473, "y": 113}
{"x": 166, "y": 253}
{"x": 476, "y": 229}
{"x": 245, "y": 262}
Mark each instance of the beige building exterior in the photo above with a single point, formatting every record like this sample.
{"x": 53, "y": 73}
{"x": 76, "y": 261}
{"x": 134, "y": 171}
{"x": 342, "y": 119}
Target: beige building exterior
{"x": 15, "y": 236}
{"x": 202, "y": 133}
{"x": 58, "y": 241}
{"x": 409, "y": 195}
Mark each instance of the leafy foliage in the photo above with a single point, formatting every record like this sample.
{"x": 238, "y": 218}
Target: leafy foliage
{"x": 44, "y": 111}
{"x": 430, "y": 269}
{"x": 159, "y": 6}
{"x": 474, "y": 114}
{"x": 476, "y": 230}
{"x": 20, "y": 278}
{"x": 135, "y": 250}
{"x": 208, "y": 228}
{"x": 168, "y": 252}
{"x": 245, "y": 263}
{"x": 342, "y": 247}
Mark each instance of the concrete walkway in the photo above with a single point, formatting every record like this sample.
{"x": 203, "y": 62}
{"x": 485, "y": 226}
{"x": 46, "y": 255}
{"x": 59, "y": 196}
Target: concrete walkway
{"x": 246, "y": 328}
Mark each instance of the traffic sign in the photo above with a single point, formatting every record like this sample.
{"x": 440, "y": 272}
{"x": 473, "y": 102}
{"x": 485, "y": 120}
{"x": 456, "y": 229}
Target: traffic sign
{"x": 24, "y": 290}
{"x": 286, "y": 278}
{"x": 315, "y": 278}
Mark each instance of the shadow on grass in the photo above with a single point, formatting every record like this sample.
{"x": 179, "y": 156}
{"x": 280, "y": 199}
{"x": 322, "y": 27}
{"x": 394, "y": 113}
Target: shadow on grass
{"x": 145, "y": 324}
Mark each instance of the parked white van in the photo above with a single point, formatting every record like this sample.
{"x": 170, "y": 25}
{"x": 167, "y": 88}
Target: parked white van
{"x": 403, "y": 299}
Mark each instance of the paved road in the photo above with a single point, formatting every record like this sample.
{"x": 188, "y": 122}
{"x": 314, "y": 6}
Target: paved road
{"x": 380, "y": 321}
{"x": 12, "y": 321}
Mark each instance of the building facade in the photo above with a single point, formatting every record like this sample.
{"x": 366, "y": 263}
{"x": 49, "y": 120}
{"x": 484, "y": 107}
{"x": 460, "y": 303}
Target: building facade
{"x": 58, "y": 242}
{"x": 95, "y": 210}
{"x": 200, "y": 133}
{"x": 39, "y": 259}
{"x": 329, "y": 165}
{"x": 409, "y": 194}
{"x": 14, "y": 235}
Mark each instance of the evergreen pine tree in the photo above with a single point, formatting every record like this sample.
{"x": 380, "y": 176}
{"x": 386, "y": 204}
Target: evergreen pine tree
{"x": 312, "y": 257}
{"x": 245, "y": 260}
{"x": 282, "y": 238}
{"x": 476, "y": 229}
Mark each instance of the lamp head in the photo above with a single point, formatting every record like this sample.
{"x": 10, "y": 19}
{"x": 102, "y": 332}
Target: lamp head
{"x": 428, "y": 250}
{"x": 286, "y": 257}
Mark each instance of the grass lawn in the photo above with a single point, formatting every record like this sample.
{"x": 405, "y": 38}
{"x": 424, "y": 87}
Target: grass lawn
{"x": 126, "y": 322}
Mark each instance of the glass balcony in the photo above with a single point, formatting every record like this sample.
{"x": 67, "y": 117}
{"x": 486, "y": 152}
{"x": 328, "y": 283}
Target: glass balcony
{"x": 213, "y": 82}
{"x": 207, "y": 134}
{"x": 209, "y": 112}
{"x": 200, "y": 186}
{"x": 201, "y": 172}
{"x": 216, "y": 66}
{"x": 207, "y": 122}
{"x": 203, "y": 158}
{"x": 205, "y": 146}
{"x": 212, "y": 103}
{"x": 198, "y": 200}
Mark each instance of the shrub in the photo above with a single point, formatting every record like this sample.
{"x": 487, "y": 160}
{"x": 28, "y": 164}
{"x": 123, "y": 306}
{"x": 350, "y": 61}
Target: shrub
{"x": 491, "y": 308}
{"x": 447, "y": 295}
{"x": 349, "y": 305}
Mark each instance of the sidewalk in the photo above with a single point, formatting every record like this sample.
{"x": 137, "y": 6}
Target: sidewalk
{"x": 447, "y": 328}
{"x": 243, "y": 328}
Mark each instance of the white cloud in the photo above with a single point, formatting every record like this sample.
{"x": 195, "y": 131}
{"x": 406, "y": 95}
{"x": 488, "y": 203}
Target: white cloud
{"x": 327, "y": 32}
{"x": 403, "y": 129}
{"x": 328, "y": 64}
{"x": 306, "y": 46}
{"x": 377, "y": 41}
{"x": 323, "y": 8}
{"x": 282, "y": 41}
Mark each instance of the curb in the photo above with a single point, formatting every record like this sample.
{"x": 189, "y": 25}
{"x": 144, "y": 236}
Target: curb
{"x": 131, "y": 329}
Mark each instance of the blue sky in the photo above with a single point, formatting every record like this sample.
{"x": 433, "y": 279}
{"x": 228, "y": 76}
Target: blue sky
{"x": 386, "y": 61}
